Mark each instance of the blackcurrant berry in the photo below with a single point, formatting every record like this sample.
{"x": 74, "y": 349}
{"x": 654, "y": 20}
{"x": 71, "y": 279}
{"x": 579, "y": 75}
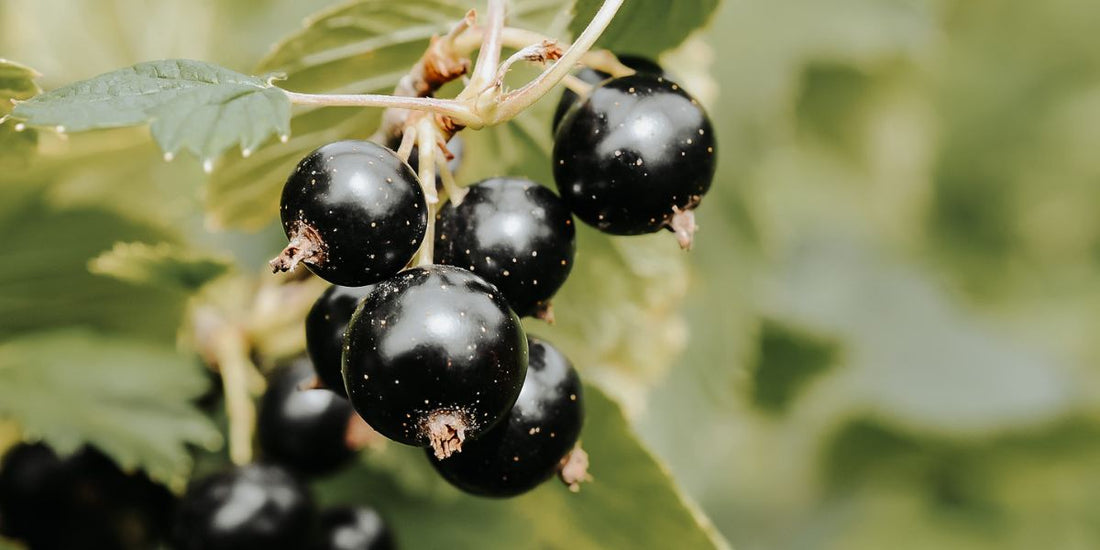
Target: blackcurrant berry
{"x": 528, "y": 446}
{"x": 303, "y": 429}
{"x": 83, "y": 501}
{"x": 515, "y": 234}
{"x": 33, "y": 481}
{"x": 354, "y": 213}
{"x": 635, "y": 157}
{"x": 325, "y": 325}
{"x": 434, "y": 355}
{"x": 261, "y": 507}
{"x": 353, "y": 529}
{"x": 109, "y": 508}
{"x": 592, "y": 76}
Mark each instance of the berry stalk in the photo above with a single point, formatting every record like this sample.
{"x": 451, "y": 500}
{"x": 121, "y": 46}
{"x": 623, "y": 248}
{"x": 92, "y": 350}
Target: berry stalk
{"x": 488, "y": 56}
{"x": 427, "y": 137}
{"x": 231, "y": 354}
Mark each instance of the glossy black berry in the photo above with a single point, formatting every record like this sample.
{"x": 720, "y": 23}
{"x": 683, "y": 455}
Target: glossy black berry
{"x": 261, "y": 507}
{"x": 303, "y": 429}
{"x": 113, "y": 509}
{"x": 434, "y": 355}
{"x": 325, "y": 325}
{"x": 528, "y": 446}
{"x": 515, "y": 234}
{"x": 82, "y": 501}
{"x": 353, "y": 529}
{"x": 635, "y": 157}
{"x": 33, "y": 481}
{"x": 354, "y": 213}
{"x": 592, "y": 76}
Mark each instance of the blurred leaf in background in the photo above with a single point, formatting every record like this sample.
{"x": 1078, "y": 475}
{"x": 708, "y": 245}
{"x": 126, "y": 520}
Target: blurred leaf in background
{"x": 918, "y": 282}
{"x": 17, "y": 144}
{"x": 129, "y": 399}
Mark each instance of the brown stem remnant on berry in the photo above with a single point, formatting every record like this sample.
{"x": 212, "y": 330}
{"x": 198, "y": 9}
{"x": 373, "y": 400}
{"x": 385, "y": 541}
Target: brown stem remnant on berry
{"x": 573, "y": 469}
{"x": 545, "y": 312}
{"x": 305, "y": 245}
{"x": 682, "y": 223}
{"x": 446, "y": 431}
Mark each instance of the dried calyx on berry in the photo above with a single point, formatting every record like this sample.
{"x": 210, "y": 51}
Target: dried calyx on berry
{"x": 535, "y": 440}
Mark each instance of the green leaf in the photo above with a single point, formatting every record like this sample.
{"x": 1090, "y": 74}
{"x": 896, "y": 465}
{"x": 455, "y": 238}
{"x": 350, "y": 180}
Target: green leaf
{"x": 192, "y": 105}
{"x": 16, "y": 83}
{"x": 631, "y": 503}
{"x": 16, "y": 147}
{"x": 645, "y": 27}
{"x": 46, "y": 280}
{"x": 163, "y": 265}
{"x": 364, "y": 46}
{"x": 910, "y": 356}
{"x": 786, "y": 361}
{"x": 130, "y": 399}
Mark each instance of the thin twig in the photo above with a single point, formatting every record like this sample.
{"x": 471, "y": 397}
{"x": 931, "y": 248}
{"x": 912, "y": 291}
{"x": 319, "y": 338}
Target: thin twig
{"x": 450, "y": 186}
{"x": 426, "y": 137}
{"x": 517, "y": 38}
{"x": 408, "y": 140}
{"x": 448, "y": 107}
{"x": 488, "y": 57}
{"x": 233, "y": 363}
{"x": 516, "y": 102}
{"x": 577, "y": 85}
{"x": 474, "y": 107}
{"x": 547, "y": 50}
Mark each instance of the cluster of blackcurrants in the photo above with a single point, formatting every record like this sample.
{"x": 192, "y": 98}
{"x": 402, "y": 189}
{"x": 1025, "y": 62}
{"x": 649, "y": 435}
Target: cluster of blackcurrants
{"x": 435, "y": 356}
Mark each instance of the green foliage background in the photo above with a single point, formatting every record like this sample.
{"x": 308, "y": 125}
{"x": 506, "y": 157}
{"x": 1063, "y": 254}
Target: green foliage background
{"x": 884, "y": 338}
